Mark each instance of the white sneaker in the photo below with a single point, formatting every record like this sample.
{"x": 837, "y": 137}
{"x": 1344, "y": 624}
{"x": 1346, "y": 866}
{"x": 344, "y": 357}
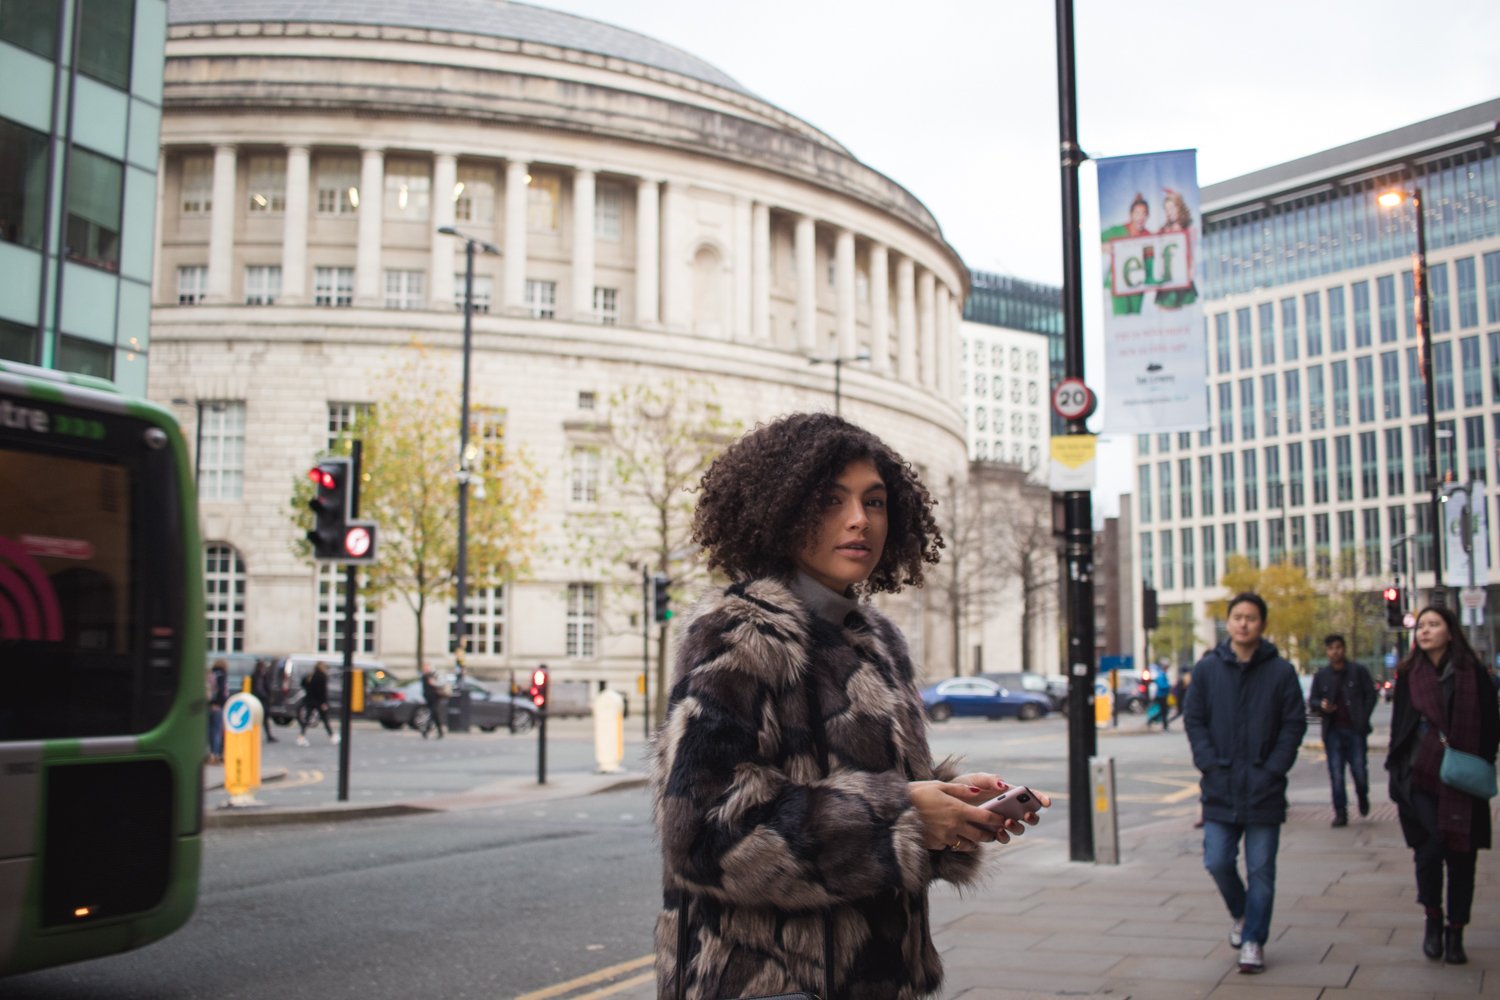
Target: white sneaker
{"x": 302, "y": 741}
{"x": 334, "y": 738}
{"x": 1237, "y": 933}
{"x": 1252, "y": 957}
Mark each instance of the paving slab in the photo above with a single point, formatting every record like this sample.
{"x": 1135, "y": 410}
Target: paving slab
{"x": 1457, "y": 979}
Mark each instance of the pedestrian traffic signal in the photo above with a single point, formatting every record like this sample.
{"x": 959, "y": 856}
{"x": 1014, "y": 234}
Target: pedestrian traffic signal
{"x": 1148, "y": 609}
{"x": 1395, "y": 611}
{"x": 541, "y": 680}
{"x": 330, "y": 507}
{"x": 661, "y": 597}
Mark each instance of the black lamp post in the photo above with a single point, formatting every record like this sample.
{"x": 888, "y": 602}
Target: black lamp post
{"x": 471, "y": 244}
{"x": 838, "y": 378}
{"x": 1424, "y": 344}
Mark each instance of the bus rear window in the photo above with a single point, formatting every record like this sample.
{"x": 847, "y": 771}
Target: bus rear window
{"x": 67, "y": 594}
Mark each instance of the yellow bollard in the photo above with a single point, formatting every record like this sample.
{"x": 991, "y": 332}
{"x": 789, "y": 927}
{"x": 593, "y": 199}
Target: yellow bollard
{"x": 357, "y": 692}
{"x": 242, "y": 720}
{"x": 1104, "y": 708}
{"x": 609, "y": 731}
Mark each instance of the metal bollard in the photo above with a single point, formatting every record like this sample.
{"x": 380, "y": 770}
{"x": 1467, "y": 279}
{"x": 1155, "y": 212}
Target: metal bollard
{"x": 1106, "y": 817}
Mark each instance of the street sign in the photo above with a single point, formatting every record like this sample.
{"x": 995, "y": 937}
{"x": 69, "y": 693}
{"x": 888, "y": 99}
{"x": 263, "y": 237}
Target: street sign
{"x": 1072, "y": 400}
{"x": 1408, "y": 621}
{"x": 357, "y": 541}
{"x": 240, "y": 714}
{"x": 1472, "y": 597}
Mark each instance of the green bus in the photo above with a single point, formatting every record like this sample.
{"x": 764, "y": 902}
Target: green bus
{"x": 102, "y": 703}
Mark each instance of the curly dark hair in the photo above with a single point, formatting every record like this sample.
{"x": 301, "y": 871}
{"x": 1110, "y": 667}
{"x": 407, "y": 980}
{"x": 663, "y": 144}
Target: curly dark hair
{"x": 756, "y": 511}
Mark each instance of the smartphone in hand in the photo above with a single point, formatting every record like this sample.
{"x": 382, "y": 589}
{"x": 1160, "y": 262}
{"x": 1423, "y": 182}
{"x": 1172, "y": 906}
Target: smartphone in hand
{"x": 1014, "y": 803}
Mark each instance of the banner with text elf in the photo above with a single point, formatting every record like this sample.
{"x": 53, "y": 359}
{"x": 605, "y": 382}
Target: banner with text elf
{"x": 1155, "y": 351}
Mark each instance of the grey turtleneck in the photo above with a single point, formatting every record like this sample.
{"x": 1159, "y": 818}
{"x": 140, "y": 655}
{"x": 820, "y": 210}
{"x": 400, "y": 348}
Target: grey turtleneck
{"x": 829, "y": 605}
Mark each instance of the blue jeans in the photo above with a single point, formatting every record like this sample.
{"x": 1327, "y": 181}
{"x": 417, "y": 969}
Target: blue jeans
{"x": 1221, "y": 845}
{"x": 1346, "y": 747}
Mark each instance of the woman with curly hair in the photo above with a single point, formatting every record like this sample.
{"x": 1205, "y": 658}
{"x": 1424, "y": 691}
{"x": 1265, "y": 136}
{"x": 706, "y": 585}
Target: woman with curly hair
{"x": 800, "y": 813}
{"x": 1444, "y": 698}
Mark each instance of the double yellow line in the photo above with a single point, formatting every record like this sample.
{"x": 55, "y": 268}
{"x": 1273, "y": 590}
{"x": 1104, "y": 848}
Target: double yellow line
{"x": 599, "y": 976}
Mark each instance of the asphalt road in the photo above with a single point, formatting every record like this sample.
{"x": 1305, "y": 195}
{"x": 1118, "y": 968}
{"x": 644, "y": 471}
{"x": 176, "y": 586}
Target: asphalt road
{"x": 511, "y": 900}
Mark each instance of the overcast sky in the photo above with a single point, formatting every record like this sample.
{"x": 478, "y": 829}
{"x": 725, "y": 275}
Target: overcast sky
{"x": 957, "y": 99}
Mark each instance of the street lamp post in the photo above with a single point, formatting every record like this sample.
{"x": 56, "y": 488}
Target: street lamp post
{"x": 1390, "y": 199}
{"x": 838, "y": 368}
{"x": 471, "y": 244}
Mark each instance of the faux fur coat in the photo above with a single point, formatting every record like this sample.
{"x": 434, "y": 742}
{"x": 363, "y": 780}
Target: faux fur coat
{"x": 786, "y": 875}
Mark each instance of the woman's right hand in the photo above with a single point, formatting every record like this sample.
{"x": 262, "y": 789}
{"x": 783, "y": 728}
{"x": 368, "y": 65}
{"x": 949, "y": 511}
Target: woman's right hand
{"x": 951, "y": 823}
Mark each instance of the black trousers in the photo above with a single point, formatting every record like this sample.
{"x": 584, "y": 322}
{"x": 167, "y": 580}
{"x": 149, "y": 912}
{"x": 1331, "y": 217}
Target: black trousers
{"x": 1432, "y": 857}
{"x": 321, "y": 711}
{"x": 437, "y": 712}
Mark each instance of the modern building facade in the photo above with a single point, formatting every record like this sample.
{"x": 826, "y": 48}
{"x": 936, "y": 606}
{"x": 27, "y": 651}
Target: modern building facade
{"x": 80, "y": 117}
{"x": 1318, "y": 443}
{"x": 655, "y": 222}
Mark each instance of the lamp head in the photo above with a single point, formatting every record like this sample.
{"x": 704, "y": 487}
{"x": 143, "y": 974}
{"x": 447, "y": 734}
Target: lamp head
{"x": 1390, "y": 199}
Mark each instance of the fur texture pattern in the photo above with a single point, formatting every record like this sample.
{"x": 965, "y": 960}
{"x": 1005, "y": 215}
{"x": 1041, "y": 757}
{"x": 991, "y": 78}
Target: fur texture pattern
{"x": 764, "y": 850}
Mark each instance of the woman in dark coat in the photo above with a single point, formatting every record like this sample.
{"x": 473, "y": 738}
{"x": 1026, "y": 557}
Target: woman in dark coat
{"x": 1442, "y": 691}
{"x": 800, "y": 813}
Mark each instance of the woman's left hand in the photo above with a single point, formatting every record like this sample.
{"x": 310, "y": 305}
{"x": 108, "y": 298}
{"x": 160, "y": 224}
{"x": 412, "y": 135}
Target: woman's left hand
{"x": 989, "y": 786}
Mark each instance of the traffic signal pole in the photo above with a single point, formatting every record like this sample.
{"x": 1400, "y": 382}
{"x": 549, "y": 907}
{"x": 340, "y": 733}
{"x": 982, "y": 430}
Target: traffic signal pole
{"x": 1078, "y": 526}
{"x": 351, "y": 583}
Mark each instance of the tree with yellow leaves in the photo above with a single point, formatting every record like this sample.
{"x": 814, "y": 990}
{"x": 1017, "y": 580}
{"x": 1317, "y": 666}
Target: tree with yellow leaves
{"x": 1292, "y": 603}
{"x": 409, "y": 488}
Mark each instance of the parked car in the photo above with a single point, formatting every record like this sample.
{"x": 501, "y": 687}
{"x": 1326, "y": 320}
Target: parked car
{"x": 1057, "y": 698}
{"x": 287, "y": 693}
{"x": 400, "y": 703}
{"x": 976, "y": 696}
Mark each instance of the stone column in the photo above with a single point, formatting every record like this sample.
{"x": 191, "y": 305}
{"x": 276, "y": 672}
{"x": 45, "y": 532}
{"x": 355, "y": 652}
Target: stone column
{"x": 742, "y": 328}
{"x": 760, "y": 297}
{"x": 294, "y": 227}
{"x": 367, "y": 277}
{"x": 515, "y": 236}
{"x": 880, "y": 307}
{"x": 647, "y": 253}
{"x": 583, "y": 246}
{"x": 926, "y": 329}
{"x": 674, "y": 289}
{"x": 221, "y": 226}
{"x": 955, "y": 344}
{"x": 807, "y": 285}
{"x": 158, "y": 291}
{"x": 843, "y": 276}
{"x": 906, "y": 320}
{"x": 440, "y": 282}
{"x": 943, "y": 328}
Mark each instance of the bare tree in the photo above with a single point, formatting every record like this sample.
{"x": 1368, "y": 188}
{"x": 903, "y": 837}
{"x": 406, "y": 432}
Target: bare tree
{"x": 657, "y": 442}
{"x": 1027, "y": 557}
{"x": 969, "y": 512}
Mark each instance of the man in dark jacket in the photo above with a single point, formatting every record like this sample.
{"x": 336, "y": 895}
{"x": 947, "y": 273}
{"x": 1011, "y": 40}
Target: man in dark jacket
{"x": 1344, "y": 696}
{"x": 1245, "y": 720}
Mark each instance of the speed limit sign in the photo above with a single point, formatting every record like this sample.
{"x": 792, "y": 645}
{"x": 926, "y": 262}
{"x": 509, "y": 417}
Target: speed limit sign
{"x": 1072, "y": 400}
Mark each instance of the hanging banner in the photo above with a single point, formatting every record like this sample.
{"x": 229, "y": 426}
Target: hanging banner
{"x": 1465, "y": 559}
{"x": 1155, "y": 351}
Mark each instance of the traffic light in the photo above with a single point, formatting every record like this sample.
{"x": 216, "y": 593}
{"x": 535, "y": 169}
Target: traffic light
{"x": 330, "y": 507}
{"x": 1395, "y": 613}
{"x": 541, "y": 680}
{"x": 1148, "y": 608}
{"x": 661, "y": 598}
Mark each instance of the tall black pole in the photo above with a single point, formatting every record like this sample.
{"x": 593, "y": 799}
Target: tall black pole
{"x": 646, "y": 648}
{"x": 1424, "y": 340}
{"x": 351, "y": 594}
{"x": 460, "y": 635}
{"x": 1078, "y": 521}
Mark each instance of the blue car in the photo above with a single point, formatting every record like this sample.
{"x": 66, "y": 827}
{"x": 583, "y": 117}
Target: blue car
{"x": 975, "y": 696}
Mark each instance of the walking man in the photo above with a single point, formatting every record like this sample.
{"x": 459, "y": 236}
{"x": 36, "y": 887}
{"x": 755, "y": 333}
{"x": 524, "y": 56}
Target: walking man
{"x": 1244, "y": 721}
{"x": 436, "y": 697}
{"x": 1343, "y": 694}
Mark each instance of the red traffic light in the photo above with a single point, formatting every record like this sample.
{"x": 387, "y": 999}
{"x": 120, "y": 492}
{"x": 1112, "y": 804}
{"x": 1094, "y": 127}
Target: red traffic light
{"x": 539, "y": 687}
{"x": 1392, "y": 594}
{"x": 322, "y": 477}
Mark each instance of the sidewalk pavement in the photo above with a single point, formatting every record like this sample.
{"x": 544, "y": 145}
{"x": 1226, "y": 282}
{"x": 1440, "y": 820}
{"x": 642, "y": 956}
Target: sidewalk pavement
{"x": 1346, "y": 922}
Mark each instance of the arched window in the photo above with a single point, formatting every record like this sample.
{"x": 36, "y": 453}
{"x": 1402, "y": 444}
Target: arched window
{"x": 710, "y": 304}
{"x": 223, "y": 599}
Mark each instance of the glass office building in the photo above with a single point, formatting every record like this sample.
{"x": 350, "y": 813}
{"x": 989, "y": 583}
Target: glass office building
{"x": 1316, "y": 449}
{"x": 80, "y": 125}
{"x": 996, "y": 300}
